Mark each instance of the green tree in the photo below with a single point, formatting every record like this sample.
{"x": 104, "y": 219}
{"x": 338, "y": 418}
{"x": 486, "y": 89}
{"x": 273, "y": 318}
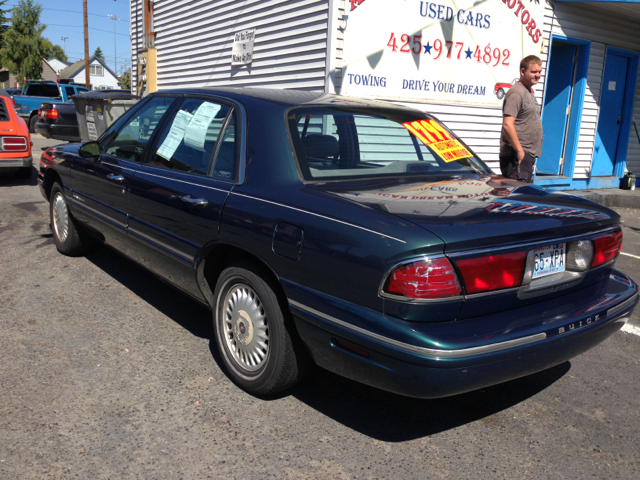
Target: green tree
{"x": 57, "y": 52}
{"x": 99, "y": 55}
{"x": 125, "y": 79}
{"x": 24, "y": 48}
{"x": 3, "y": 22}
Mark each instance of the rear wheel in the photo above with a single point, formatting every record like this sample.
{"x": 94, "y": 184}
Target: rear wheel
{"x": 500, "y": 94}
{"x": 257, "y": 342}
{"x": 32, "y": 123}
{"x": 69, "y": 241}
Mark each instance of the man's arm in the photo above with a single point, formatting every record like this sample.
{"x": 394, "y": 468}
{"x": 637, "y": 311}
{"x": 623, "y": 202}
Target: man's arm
{"x": 508, "y": 124}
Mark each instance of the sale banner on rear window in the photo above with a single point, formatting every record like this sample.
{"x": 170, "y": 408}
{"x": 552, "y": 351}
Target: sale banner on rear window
{"x": 438, "y": 139}
{"x": 463, "y": 52}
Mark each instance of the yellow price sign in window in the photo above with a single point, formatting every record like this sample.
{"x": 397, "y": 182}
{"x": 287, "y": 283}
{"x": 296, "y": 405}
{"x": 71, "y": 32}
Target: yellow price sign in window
{"x": 438, "y": 139}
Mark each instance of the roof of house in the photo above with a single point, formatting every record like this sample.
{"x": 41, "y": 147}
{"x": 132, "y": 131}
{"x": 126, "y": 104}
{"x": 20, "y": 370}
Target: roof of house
{"x": 53, "y": 60}
{"x": 74, "y": 69}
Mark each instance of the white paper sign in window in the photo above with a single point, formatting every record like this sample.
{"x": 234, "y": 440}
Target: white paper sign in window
{"x": 197, "y": 130}
{"x": 242, "y": 50}
{"x": 176, "y": 134}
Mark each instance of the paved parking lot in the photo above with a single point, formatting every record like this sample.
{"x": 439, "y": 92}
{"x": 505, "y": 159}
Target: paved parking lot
{"x": 105, "y": 372}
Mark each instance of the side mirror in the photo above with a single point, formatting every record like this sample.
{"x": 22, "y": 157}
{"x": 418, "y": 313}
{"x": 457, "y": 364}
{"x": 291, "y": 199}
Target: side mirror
{"x": 89, "y": 149}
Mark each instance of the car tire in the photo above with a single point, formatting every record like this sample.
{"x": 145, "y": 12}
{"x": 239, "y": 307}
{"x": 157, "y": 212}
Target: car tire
{"x": 24, "y": 172}
{"x": 69, "y": 241}
{"x": 259, "y": 346}
{"x": 500, "y": 93}
{"x": 32, "y": 123}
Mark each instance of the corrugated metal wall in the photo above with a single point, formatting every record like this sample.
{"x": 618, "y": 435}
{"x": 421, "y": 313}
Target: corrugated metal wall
{"x": 194, "y": 41}
{"x": 136, "y": 39}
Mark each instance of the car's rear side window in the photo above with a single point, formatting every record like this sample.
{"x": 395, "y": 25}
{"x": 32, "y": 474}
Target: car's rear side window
{"x": 199, "y": 130}
{"x": 333, "y": 143}
{"x": 38, "y": 90}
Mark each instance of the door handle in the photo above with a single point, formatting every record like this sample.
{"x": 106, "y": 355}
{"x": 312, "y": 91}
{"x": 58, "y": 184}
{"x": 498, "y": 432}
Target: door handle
{"x": 114, "y": 177}
{"x": 196, "y": 202}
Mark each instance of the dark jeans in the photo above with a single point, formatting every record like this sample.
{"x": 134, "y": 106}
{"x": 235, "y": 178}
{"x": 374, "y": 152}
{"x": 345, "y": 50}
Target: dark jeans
{"x": 522, "y": 171}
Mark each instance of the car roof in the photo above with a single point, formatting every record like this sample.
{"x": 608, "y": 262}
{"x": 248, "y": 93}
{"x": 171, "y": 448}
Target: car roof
{"x": 291, "y": 97}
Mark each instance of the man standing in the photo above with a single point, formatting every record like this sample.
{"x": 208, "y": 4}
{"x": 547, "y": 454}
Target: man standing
{"x": 521, "y": 137}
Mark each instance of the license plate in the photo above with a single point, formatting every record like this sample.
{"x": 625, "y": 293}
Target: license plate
{"x": 549, "y": 260}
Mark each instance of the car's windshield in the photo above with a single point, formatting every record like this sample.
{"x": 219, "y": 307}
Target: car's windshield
{"x": 338, "y": 143}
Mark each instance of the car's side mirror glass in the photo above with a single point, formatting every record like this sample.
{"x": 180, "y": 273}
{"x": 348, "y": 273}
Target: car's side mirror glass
{"x": 89, "y": 149}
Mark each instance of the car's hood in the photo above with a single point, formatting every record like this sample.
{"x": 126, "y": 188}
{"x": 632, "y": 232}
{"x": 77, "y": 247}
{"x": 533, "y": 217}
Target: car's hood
{"x": 479, "y": 211}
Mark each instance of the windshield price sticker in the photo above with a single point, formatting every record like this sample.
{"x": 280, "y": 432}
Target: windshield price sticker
{"x": 438, "y": 139}
{"x": 549, "y": 260}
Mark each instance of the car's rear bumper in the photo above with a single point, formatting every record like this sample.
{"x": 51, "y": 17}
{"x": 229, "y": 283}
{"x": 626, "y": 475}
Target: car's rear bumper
{"x": 60, "y": 132}
{"x": 16, "y": 162}
{"x": 433, "y": 365}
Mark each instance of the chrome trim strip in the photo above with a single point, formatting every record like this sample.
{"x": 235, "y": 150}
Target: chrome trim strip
{"x": 531, "y": 244}
{"x": 162, "y": 244}
{"x": 317, "y": 215}
{"x": 491, "y": 292}
{"x": 142, "y": 172}
{"x": 96, "y": 212}
{"x": 622, "y": 306}
{"x": 429, "y": 352}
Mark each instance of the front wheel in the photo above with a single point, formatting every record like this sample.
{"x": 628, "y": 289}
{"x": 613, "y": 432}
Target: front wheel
{"x": 258, "y": 345}
{"x": 69, "y": 241}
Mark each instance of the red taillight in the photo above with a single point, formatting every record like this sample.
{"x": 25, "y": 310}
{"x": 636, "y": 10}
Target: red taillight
{"x": 50, "y": 113}
{"x": 607, "y": 248}
{"x": 39, "y": 113}
{"x": 492, "y": 272}
{"x": 14, "y": 144}
{"x": 428, "y": 278}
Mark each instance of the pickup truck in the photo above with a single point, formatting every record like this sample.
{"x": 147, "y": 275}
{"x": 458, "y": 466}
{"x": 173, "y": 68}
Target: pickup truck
{"x": 28, "y": 104}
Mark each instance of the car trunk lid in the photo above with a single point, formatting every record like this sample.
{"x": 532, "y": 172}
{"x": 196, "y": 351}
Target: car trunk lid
{"x": 475, "y": 212}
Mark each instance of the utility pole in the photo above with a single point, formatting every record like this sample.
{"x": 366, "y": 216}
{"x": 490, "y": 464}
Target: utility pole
{"x": 86, "y": 45}
{"x": 64, "y": 39}
{"x": 115, "y": 51}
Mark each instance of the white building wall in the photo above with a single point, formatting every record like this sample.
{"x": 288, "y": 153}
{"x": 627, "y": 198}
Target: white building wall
{"x": 194, "y": 42}
{"x": 603, "y": 26}
{"x": 98, "y": 81}
{"x": 136, "y": 31}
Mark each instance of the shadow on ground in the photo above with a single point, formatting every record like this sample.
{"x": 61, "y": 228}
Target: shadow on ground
{"x": 378, "y": 414}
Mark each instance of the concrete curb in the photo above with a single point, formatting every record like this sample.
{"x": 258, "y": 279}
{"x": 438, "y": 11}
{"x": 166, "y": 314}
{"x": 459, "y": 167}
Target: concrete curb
{"x": 611, "y": 198}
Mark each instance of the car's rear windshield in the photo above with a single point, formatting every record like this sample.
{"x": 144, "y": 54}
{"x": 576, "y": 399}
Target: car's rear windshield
{"x": 338, "y": 143}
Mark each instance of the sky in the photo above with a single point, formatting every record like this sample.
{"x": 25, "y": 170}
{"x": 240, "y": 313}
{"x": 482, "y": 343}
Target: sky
{"x": 64, "y": 19}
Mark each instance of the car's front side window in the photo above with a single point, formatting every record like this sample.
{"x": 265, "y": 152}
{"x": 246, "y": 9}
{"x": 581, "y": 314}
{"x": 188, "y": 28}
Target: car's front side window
{"x": 199, "y": 129}
{"x": 131, "y": 137}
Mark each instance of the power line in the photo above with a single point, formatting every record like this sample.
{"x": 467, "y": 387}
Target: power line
{"x": 71, "y": 11}
{"x": 78, "y": 26}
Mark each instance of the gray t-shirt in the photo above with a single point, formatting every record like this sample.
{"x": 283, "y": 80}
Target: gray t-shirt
{"x": 520, "y": 103}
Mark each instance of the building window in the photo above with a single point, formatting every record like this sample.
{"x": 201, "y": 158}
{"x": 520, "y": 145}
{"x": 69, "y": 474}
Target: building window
{"x": 96, "y": 70}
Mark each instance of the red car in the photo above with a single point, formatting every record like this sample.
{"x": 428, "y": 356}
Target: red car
{"x": 15, "y": 141}
{"x": 501, "y": 88}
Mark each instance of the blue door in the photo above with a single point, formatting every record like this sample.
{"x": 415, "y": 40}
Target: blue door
{"x": 610, "y": 118}
{"x": 556, "y": 107}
